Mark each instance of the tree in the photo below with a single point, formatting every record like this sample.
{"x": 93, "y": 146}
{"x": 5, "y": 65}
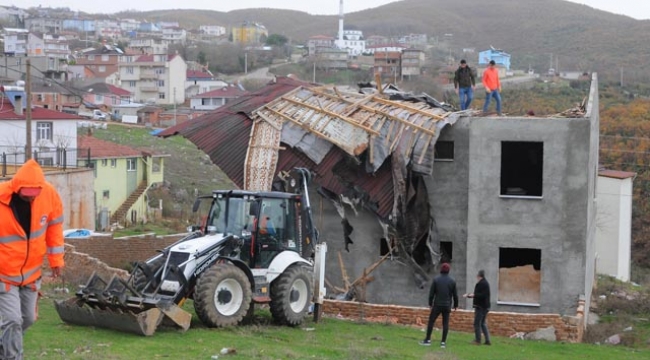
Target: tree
{"x": 276, "y": 40}
{"x": 201, "y": 57}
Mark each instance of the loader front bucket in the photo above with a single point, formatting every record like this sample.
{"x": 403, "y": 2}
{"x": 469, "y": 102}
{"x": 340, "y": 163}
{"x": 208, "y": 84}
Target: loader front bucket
{"x": 77, "y": 312}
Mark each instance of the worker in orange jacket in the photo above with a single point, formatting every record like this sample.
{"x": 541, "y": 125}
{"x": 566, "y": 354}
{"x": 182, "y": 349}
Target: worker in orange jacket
{"x": 492, "y": 86}
{"x": 31, "y": 226}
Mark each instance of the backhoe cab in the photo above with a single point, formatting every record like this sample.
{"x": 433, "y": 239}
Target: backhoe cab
{"x": 252, "y": 247}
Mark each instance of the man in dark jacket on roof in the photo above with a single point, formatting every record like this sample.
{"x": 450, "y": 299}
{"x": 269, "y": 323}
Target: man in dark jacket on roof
{"x": 441, "y": 295}
{"x": 481, "y": 305}
{"x": 465, "y": 84}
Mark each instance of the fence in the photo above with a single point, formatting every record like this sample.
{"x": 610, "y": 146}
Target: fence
{"x": 60, "y": 158}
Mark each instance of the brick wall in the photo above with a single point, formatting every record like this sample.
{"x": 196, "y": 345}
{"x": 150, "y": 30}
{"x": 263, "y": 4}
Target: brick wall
{"x": 120, "y": 252}
{"x": 567, "y": 328}
{"x": 79, "y": 267}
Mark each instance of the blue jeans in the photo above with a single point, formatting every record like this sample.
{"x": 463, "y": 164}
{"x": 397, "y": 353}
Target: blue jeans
{"x": 466, "y": 95}
{"x": 480, "y": 325}
{"x": 488, "y": 96}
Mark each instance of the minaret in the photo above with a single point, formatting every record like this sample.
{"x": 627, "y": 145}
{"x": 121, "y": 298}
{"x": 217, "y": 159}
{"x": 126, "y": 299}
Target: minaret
{"x": 341, "y": 16}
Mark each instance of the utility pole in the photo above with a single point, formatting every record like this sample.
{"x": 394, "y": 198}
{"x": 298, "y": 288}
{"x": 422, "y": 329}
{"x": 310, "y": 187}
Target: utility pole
{"x": 174, "y": 106}
{"x": 621, "y": 77}
{"x": 28, "y": 110}
{"x": 314, "y": 78}
{"x": 246, "y": 62}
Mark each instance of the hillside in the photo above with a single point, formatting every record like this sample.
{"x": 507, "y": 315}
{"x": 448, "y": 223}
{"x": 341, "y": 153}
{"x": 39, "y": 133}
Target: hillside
{"x": 584, "y": 38}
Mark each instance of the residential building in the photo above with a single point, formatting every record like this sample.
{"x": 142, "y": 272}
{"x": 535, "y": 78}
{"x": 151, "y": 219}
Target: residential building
{"x": 319, "y": 42}
{"x": 174, "y": 35}
{"x": 500, "y": 57}
{"x": 167, "y": 24}
{"x": 249, "y": 33}
{"x": 52, "y": 46}
{"x": 212, "y": 30}
{"x": 216, "y": 98}
{"x": 15, "y": 66}
{"x": 15, "y": 41}
{"x": 44, "y": 25}
{"x": 122, "y": 177}
{"x": 352, "y": 41}
{"x": 108, "y": 29}
{"x": 81, "y": 25}
{"x": 375, "y": 40}
{"x": 199, "y": 82}
{"x": 158, "y": 79}
{"x": 414, "y": 40}
{"x": 52, "y": 131}
{"x": 50, "y": 95}
{"x": 331, "y": 59}
{"x": 128, "y": 25}
{"x": 105, "y": 94}
{"x": 97, "y": 63}
{"x": 614, "y": 231}
{"x": 12, "y": 13}
{"x": 389, "y": 64}
{"x": 148, "y": 46}
{"x": 413, "y": 62}
{"x": 146, "y": 27}
{"x": 390, "y": 47}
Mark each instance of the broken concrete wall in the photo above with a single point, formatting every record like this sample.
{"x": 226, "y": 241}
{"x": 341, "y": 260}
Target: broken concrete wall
{"x": 448, "y": 190}
{"x": 556, "y": 223}
{"x": 393, "y": 282}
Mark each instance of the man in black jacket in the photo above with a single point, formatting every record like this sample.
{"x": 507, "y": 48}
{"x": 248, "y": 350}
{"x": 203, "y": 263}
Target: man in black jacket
{"x": 465, "y": 84}
{"x": 443, "y": 291}
{"x": 481, "y": 297}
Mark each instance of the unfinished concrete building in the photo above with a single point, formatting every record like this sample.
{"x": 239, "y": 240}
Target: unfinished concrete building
{"x": 406, "y": 183}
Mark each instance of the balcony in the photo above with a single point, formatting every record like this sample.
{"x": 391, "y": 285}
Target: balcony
{"x": 147, "y": 88}
{"x": 148, "y": 75}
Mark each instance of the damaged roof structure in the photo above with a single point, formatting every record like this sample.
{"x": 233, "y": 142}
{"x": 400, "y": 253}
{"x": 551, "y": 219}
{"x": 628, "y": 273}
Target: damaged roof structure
{"x": 365, "y": 150}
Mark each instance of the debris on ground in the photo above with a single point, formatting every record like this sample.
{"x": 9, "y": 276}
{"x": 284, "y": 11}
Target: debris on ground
{"x": 228, "y": 351}
{"x": 518, "y": 335}
{"x": 613, "y": 340}
{"x": 546, "y": 334}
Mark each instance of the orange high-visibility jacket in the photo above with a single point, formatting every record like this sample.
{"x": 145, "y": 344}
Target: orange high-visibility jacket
{"x": 21, "y": 259}
{"x": 491, "y": 79}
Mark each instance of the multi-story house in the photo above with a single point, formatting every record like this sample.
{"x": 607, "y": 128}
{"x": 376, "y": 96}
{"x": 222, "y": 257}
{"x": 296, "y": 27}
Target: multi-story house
{"x": 108, "y": 29}
{"x": 106, "y": 95}
{"x": 413, "y": 62}
{"x": 388, "y": 64}
{"x": 81, "y": 25}
{"x": 249, "y": 33}
{"x": 15, "y": 41}
{"x": 156, "y": 78}
{"x": 148, "y": 46}
{"x": 216, "y": 98}
{"x": 332, "y": 59}
{"x": 50, "y": 45}
{"x": 198, "y": 82}
{"x": 174, "y": 35}
{"x": 500, "y": 57}
{"x": 50, "y": 95}
{"x": 212, "y": 30}
{"x": 128, "y": 25}
{"x": 319, "y": 42}
{"x": 122, "y": 177}
{"x": 51, "y": 130}
{"x": 387, "y": 47}
{"x": 96, "y": 63}
{"x": 44, "y": 24}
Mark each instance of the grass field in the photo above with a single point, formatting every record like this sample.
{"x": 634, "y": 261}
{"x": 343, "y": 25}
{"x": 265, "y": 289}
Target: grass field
{"x": 49, "y": 338}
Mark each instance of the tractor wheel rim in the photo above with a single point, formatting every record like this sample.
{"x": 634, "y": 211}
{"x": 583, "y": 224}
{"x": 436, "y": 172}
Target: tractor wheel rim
{"x": 300, "y": 287}
{"x": 228, "y": 297}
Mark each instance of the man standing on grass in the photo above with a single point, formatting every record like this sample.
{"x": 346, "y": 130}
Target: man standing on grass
{"x": 443, "y": 291}
{"x": 31, "y": 226}
{"x": 481, "y": 297}
{"x": 492, "y": 87}
{"x": 465, "y": 84}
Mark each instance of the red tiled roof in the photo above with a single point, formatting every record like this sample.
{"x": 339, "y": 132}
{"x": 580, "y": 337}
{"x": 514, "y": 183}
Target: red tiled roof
{"x": 118, "y": 91}
{"x": 197, "y": 74}
{"x": 101, "y": 149}
{"x": 224, "y": 135}
{"x": 616, "y": 174}
{"x": 149, "y": 58}
{"x": 38, "y": 113}
{"x": 226, "y": 92}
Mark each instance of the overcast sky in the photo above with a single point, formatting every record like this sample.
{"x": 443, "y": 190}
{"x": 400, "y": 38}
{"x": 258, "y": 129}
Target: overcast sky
{"x": 639, "y": 9}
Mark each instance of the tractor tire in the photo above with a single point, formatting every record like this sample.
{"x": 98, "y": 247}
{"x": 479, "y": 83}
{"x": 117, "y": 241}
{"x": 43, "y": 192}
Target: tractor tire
{"x": 291, "y": 295}
{"x": 140, "y": 279}
{"x": 222, "y": 296}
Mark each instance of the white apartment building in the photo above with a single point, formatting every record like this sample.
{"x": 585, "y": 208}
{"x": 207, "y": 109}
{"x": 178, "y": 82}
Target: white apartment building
{"x": 15, "y": 41}
{"x": 158, "y": 79}
{"x": 213, "y": 30}
{"x": 108, "y": 29}
{"x": 174, "y": 35}
{"x": 129, "y": 25}
{"x": 52, "y": 46}
{"x": 148, "y": 46}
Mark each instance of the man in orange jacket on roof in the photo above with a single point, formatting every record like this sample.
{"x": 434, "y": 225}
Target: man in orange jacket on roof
{"x": 31, "y": 226}
{"x": 492, "y": 87}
